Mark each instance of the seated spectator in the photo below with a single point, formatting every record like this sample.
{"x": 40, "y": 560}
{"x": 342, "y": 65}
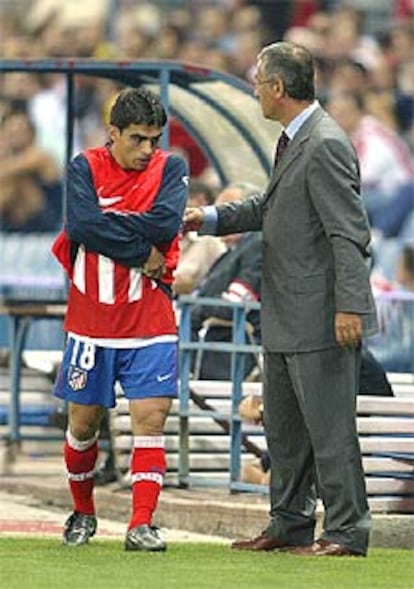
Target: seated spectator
{"x": 347, "y": 75}
{"x": 257, "y": 470}
{"x": 198, "y": 253}
{"x": 386, "y": 162}
{"x": 394, "y": 345}
{"x": 235, "y": 276}
{"x": 396, "y": 214}
{"x": 183, "y": 142}
{"x": 373, "y": 381}
{"x": 30, "y": 198}
{"x": 405, "y": 268}
{"x": 347, "y": 36}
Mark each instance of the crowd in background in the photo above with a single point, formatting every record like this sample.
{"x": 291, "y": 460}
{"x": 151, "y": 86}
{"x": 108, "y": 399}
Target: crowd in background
{"x": 364, "y": 53}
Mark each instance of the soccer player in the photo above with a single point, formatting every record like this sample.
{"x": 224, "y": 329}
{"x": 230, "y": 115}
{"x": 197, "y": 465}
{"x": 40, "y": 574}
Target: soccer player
{"x": 120, "y": 247}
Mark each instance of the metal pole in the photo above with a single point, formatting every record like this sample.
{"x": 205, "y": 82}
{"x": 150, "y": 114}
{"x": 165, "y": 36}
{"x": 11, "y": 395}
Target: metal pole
{"x": 237, "y": 370}
{"x": 70, "y": 115}
{"x": 164, "y": 87}
{"x": 184, "y": 374}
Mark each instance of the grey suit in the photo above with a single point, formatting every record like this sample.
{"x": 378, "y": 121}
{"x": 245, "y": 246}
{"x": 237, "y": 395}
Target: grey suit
{"x": 315, "y": 263}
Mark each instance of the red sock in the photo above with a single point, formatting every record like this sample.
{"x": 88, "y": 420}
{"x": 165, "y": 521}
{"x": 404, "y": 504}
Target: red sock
{"x": 148, "y": 466}
{"x": 80, "y": 465}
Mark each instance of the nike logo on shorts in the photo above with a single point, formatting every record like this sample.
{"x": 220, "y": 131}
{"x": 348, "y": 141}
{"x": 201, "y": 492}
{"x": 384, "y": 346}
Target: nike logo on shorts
{"x": 162, "y": 377}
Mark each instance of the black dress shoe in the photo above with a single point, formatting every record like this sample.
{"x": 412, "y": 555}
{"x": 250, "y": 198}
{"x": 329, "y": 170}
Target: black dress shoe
{"x": 324, "y": 548}
{"x": 260, "y": 543}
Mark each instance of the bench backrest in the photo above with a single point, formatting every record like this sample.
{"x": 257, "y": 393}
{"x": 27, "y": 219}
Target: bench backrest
{"x": 29, "y": 272}
{"x": 385, "y": 427}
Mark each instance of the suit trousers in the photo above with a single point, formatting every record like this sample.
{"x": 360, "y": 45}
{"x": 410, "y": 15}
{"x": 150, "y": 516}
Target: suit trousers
{"x": 310, "y": 426}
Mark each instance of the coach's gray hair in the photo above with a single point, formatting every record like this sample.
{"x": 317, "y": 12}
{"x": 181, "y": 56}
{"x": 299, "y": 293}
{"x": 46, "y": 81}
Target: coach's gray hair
{"x": 294, "y": 64}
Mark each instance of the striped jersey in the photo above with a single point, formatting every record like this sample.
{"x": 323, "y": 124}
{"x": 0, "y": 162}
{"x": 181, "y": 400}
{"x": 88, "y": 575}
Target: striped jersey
{"x": 114, "y": 216}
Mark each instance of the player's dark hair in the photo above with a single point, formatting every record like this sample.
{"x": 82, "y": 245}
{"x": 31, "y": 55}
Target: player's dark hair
{"x": 294, "y": 64}
{"x": 137, "y": 106}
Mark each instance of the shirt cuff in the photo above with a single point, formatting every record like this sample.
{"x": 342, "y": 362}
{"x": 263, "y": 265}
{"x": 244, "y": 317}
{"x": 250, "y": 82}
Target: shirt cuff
{"x": 209, "y": 226}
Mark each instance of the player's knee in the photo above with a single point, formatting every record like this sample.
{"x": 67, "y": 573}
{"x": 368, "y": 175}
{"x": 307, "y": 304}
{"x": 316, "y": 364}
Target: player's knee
{"x": 84, "y": 421}
{"x": 153, "y": 424}
{"x": 82, "y": 431}
{"x": 148, "y": 418}
{"x": 83, "y": 427}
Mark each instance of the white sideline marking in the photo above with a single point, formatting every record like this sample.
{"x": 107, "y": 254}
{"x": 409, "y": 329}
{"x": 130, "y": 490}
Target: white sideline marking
{"x": 19, "y": 517}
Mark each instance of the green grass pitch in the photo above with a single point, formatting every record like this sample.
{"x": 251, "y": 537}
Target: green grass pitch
{"x": 33, "y": 563}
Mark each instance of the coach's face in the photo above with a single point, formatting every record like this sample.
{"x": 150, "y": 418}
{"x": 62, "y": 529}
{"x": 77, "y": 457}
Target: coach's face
{"x": 270, "y": 92}
{"x": 134, "y": 146}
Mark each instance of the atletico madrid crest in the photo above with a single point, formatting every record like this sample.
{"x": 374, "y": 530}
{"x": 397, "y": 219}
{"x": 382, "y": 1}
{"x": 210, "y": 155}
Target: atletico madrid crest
{"x": 77, "y": 378}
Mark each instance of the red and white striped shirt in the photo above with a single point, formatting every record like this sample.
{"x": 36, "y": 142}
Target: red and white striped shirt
{"x": 109, "y": 300}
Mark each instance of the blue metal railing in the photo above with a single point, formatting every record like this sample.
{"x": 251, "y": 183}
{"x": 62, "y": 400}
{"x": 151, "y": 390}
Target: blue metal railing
{"x": 237, "y": 348}
{"x": 393, "y": 346}
{"x": 404, "y": 302}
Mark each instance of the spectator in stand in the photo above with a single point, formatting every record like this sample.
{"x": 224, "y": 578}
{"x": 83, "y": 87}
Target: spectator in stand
{"x": 235, "y": 276}
{"x": 398, "y": 216}
{"x": 405, "y": 101}
{"x": 386, "y": 162}
{"x": 198, "y": 253}
{"x": 31, "y": 191}
{"x": 373, "y": 380}
{"x": 257, "y": 470}
{"x": 348, "y": 75}
{"x": 394, "y": 345}
{"x": 405, "y": 268}
{"x": 347, "y": 38}
{"x": 181, "y": 140}
{"x": 397, "y": 44}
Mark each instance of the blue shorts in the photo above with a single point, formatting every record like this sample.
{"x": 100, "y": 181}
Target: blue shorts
{"x": 88, "y": 372}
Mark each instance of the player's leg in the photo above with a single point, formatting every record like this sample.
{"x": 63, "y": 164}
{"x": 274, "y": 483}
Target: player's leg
{"x": 84, "y": 382}
{"x": 150, "y": 394}
{"x": 148, "y": 465}
{"x": 80, "y": 454}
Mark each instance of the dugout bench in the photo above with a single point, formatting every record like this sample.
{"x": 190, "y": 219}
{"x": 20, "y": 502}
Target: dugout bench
{"x": 20, "y": 315}
{"x": 385, "y": 425}
{"x": 32, "y": 305}
{"x": 207, "y": 441}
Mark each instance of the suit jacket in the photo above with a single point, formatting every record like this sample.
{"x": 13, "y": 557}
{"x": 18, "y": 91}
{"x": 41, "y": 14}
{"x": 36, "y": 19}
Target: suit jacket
{"x": 316, "y": 238}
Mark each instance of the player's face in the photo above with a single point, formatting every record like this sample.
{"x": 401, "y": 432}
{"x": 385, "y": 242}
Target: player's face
{"x": 134, "y": 146}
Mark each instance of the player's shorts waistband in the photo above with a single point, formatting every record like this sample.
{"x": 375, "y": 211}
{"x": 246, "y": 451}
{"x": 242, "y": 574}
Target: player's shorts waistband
{"x": 128, "y": 342}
